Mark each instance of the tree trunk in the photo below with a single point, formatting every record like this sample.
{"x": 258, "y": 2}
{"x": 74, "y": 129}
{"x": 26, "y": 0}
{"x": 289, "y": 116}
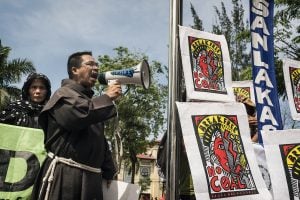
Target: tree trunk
{"x": 132, "y": 171}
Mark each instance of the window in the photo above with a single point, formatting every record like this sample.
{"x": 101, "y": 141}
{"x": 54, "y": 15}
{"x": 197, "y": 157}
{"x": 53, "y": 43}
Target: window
{"x": 145, "y": 171}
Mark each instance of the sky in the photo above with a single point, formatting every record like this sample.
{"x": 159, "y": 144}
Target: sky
{"x": 46, "y": 32}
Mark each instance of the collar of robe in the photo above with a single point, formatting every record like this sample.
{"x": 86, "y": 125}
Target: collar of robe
{"x": 72, "y": 84}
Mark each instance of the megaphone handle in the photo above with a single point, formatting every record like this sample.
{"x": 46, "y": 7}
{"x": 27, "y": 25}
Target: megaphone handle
{"x": 111, "y": 82}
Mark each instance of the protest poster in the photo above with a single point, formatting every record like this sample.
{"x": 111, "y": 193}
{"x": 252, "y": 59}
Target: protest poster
{"x": 282, "y": 149}
{"x": 206, "y": 66}
{"x": 243, "y": 90}
{"x": 291, "y": 72}
{"x": 220, "y": 152}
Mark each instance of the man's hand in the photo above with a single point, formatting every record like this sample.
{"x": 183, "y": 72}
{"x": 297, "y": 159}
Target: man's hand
{"x": 114, "y": 90}
{"x": 252, "y": 120}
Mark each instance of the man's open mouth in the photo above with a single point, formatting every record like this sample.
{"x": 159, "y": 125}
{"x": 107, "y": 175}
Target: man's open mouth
{"x": 94, "y": 75}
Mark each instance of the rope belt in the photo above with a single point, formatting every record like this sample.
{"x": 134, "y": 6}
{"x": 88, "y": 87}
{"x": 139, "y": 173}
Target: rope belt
{"x": 50, "y": 172}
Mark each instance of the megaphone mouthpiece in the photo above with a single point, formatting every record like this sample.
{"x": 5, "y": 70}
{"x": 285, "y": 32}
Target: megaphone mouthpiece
{"x": 139, "y": 74}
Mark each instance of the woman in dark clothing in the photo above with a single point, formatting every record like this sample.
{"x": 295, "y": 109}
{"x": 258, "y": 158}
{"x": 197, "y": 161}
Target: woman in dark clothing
{"x": 36, "y": 92}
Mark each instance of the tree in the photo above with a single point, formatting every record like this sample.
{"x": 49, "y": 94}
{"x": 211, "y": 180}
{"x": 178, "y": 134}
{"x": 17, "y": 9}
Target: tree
{"x": 286, "y": 44}
{"x": 197, "y": 21}
{"x": 237, "y": 35}
{"x": 10, "y": 73}
{"x": 224, "y": 25}
{"x": 287, "y": 37}
{"x": 287, "y": 29}
{"x": 140, "y": 112}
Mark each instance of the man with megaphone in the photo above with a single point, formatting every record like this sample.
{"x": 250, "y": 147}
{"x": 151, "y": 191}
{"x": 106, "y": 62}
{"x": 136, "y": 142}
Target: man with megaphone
{"x": 72, "y": 121}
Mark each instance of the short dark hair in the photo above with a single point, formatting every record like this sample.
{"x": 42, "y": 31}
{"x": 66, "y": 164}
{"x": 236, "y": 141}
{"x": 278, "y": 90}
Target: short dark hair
{"x": 75, "y": 60}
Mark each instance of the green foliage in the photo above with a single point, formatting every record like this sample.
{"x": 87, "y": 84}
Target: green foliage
{"x": 287, "y": 37}
{"x": 11, "y": 73}
{"x": 224, "y": 25}
{"x": 144, "y": 183}
{"x": 291, "y": 9}
{"x": 237, "y": 35}
{"x": 141, "y": 113}
{"x": 197, "y": 21}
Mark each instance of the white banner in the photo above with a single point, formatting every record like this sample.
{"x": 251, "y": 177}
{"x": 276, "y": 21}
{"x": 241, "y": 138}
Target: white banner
{"x": 291, "y": 72}
{"x": 119, "y": 190}
{"x": 206, "y": 66}
{"x": 220, "y": 153}
{"x": 282, "y": 149}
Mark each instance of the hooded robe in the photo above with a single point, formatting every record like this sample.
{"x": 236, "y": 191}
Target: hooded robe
{"x": 73, "y": 125}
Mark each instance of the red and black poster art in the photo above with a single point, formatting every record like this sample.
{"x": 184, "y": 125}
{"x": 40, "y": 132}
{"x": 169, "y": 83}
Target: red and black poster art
{"x": 243, "y": 90}
{"x": 291, "y": 72}
{"x": 241, "y": 93}
{"x": 207, "y": 65}
{"x": 220, "y": 152}
{"x": 295, "y": 84}
{"x": 282, "y": 150}
{"x": 223, "y": 156}
{"x": 290, "y": 154}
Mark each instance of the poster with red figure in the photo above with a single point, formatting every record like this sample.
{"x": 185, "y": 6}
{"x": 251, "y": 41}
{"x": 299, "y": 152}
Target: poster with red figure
{"x": 291, "y": 72}
{"x": 282, "y": 149}
{"x": 227, "y": 168}
{"x": 220, "y": 152}
{"x": 290, "y": 154}
{"x": 206, "y": 65}
{"x": 243, "y": 90}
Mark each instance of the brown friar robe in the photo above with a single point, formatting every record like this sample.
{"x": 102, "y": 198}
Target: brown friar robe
{"x": 73, "y": 125}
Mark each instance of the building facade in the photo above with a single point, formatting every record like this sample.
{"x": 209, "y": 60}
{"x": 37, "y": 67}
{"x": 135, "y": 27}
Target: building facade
{"x": 147, "y": 173}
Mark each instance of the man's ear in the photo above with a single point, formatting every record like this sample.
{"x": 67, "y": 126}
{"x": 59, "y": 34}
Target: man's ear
{"x": 74, "y": 70}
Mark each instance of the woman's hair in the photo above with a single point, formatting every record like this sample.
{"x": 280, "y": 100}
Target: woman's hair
{"x": 28, "y": 82}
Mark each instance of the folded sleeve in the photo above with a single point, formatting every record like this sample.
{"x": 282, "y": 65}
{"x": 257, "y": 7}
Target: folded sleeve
{"x": 78, "y": 113}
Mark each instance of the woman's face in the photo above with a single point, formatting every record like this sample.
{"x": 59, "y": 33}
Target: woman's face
{"x": 37, "y": 91}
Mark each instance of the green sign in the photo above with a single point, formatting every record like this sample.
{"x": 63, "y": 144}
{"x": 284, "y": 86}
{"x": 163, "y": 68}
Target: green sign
{"x": 21, "y": 155}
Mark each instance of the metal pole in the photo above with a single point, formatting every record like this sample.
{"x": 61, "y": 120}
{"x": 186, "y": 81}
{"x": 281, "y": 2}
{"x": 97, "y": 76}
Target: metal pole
{"x": 174, "y": 93}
